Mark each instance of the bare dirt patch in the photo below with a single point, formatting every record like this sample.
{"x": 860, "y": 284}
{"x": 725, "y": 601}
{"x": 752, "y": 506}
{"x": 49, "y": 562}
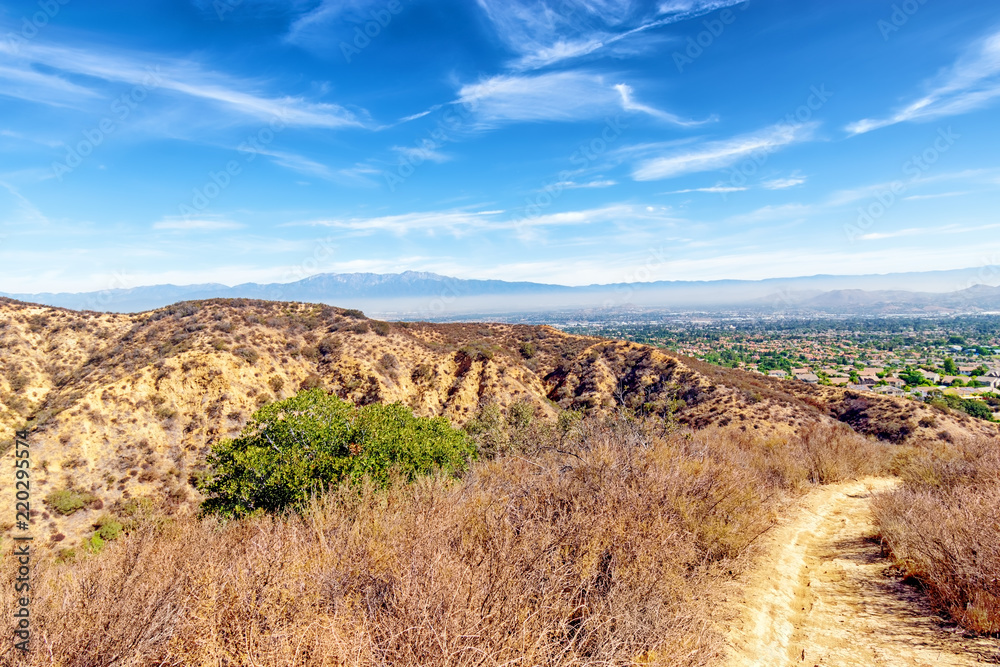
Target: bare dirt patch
{"x": 824, "y": 595}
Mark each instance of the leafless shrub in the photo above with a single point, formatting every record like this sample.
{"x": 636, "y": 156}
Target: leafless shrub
{"x": 942, "y": 528}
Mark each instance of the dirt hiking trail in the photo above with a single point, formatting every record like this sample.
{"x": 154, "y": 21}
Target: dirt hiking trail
{"x": 821, "y": 596}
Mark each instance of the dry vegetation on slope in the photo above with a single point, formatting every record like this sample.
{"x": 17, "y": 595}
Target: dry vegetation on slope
{"x": 943, "y": 528}
{"x": 611, "y": 541}
{"x": 610, "y": 544}
{"x": 126, "y": 406}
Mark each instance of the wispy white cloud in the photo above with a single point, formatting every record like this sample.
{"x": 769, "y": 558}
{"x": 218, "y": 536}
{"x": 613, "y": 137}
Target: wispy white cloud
{"x": 719, "y": 154}
{"x": 948, "y": 230}
{"x": 630, "y": 104}
{"x": 714, "y": 189}
{"x": 363, "y": 175}
{"x": 573, "y": 185}
{"x": 186, "y": 78}
{"x": 299, "y": 163}
{"x": 418, "y": 154}
{"x": 453, "y": 221}
{"x": 852, "y": 195}
{"x": 459, "y": 222}
{"x": 875, "y": 236}
{"x": 11, "y": 134}
{"x": 553, "y": 96}
{"x": 312, "y": 27}
{"x": 692, "y": 8}
{"x": 939, "y": 195}
{"x": 547, "y": 32}
{"x": 28, "y": 84}
{"x": 557, "y": 96}
{"x": 783, "y": 183}
{"x": 203, "y": 224}
{"x": 618, "y": 214}
{"x": 772, "y": 212}
{"x": 971, "y": 83}
{"x": 27, "y": 212}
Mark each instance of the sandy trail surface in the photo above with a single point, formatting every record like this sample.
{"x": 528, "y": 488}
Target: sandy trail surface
{"x": 823, "y": 596}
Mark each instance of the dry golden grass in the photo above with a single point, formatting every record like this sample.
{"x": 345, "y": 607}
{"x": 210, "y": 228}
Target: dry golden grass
{"x": 607, "y": 545}
{"x": 943, "y": 529}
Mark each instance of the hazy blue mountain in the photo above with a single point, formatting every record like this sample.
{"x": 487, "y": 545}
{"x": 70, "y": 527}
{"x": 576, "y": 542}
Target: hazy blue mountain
{"x": 413, "y": 294}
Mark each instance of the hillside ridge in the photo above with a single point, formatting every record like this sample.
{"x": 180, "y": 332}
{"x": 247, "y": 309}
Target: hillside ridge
{"x": 126, "y": 406}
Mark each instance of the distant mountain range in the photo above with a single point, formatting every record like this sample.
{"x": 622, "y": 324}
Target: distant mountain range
{"x": 418, "y": 295}
{"x": 978, "y": 298}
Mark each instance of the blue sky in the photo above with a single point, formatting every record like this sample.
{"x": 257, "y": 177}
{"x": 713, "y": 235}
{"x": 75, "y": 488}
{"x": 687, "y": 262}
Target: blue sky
{"x": 571, "y": 141}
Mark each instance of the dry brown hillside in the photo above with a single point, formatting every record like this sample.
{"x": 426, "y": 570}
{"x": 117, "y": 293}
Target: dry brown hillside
{"x": 124, "y": 406}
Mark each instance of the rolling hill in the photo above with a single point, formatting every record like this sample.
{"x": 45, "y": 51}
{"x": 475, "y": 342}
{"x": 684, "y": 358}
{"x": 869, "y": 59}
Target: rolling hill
{"x": 124, "y": 406}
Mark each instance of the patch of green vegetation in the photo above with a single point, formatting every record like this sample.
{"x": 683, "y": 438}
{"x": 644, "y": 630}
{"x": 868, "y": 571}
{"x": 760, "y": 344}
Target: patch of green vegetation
{"x": 970, "y": 406}
{"x": 478, "y": 351}
{"x": 95, "y": 544}
{"x": 108, "y": 528}
{"x": 295, "y": 448}
{"x": 68, "y": 501}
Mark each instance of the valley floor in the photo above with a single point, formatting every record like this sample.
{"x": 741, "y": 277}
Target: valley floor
{"x": 823, "y": 596}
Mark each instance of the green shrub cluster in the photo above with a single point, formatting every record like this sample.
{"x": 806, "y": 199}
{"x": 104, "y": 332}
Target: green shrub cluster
{"x": 970, "y": 406}
{"x": 478, "y": 351}
{"x": 67, "y": 501}
{"x": 300, "y": 446}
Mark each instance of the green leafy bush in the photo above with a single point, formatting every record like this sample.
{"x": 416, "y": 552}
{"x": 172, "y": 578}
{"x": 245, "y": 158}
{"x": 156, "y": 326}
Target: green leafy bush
{"x": 970, "y": 406}
{"x": 978, "y": 409}
{"x": 67, "y": 501}
{"x": 108, "y": 528}
{"x": 302, "y": 445}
